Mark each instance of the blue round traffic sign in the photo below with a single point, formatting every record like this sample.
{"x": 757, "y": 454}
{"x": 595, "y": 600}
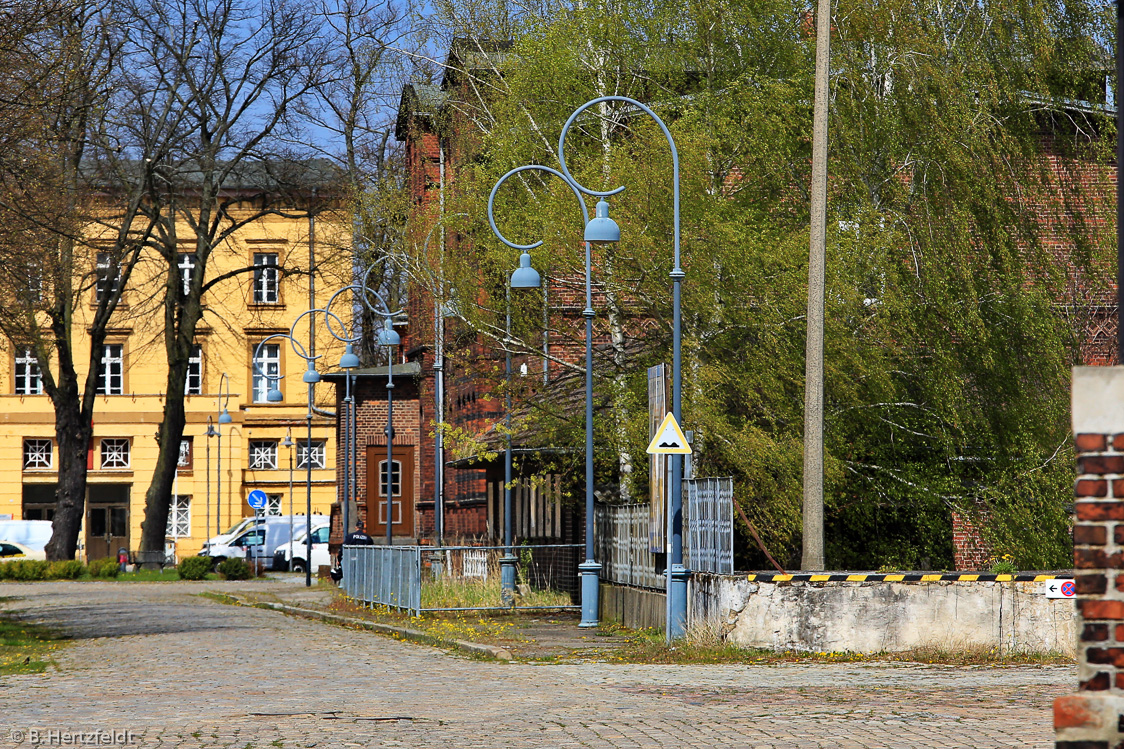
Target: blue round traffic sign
{"x": 257, "y": 499}
{"x": 1067, "y": 589}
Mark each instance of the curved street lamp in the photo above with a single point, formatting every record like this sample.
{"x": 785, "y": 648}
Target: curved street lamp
{"x": 602, "y": 229}
{"x": 526, "y": 277}
{"x": 224, "y": 418}
{"x": 274, "y": 395}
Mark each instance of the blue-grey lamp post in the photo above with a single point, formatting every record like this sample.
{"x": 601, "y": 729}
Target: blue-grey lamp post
{"x": 348, "y": 361}
{"x": 603, "y": 229}
{"x": 224, "y": 418}
{"x": 387, "y": 336}
{"x": 526, "y": 277}
{"x": 274, "y": 395}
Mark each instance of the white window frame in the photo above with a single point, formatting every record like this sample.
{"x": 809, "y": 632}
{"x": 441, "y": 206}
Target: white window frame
{"x": 105, "y": 282}
{"x": 115, "y": 454}
{"x": 112, "y": 379}
{"x": 266, "y": 278}
{"x": 263, "y": 455}
{"x": 28, "y": 376}
{"x": 186, "y": 265}
{"x": 185, "y": 452}
{"x": 395, "y": 478}
{"x": 179, "y": 517}
{"x": 38, "y": 454}
{"x": 194, "y": 383}
{"x": 319, "y": 454}
{"x": 273, "y": 505}
{"x": 266, "y": 367}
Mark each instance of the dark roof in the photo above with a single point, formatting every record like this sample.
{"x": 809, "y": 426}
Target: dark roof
{"x": 418, "y": 100}
{"x": 409, "y": 369}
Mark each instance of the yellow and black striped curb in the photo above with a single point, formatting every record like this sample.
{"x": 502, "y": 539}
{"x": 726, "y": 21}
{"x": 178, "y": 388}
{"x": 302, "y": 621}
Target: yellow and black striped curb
{"x": 844, "y": 577}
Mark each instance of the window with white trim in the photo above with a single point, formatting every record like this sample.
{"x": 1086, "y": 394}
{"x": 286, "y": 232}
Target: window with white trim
{"x": 107, "y": 276}
{"x": 267, "y": 369}
{"x": 395, "y": 478}
{"x": 38, "y": 454}
{"x": 273, "y": 504}
{"x": 112, "y": 380}
{"x": 184, "y": 460}
{"x": 265, "y": 278}
{"x": 194, "y": 384}
{"x": 114, "y": 453}
{"x": 29, "y": 380}
{"x": 318, "y": 454}
{"x": 186, "y": 265}
{"x": 179, "y": 516}
{"x": 263, "y": 455}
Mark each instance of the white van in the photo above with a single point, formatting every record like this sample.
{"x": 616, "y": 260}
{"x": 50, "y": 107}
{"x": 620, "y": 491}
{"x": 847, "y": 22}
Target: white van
{"x": 259, "y": 540}
{"x": 243, "y": 525}
{"x": 34, "y": 534}
{"x": 320, "y": 557}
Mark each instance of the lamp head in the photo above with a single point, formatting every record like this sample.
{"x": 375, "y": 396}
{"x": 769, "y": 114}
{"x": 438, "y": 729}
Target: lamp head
{"x": 211, "y": 432}
{"x": 349, "y": 360}
{"x": 525, "y": 277}
{"x": 602, "y": 229}
{"x": 311, "y": 376}
{"x": 224, "y": 417}
{"x": 287, "y": 442}
{"x": 388, "y": 336}
{"x": 274, "y": 394}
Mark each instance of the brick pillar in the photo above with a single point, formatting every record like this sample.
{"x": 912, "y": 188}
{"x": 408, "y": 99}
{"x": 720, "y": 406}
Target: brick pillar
{"x": 1093, "y": 718}
{"x": 969, "y": 551}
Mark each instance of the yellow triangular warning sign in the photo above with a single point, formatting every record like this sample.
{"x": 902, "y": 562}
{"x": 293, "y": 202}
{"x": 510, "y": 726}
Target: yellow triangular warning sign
{"x": 669, "y": 439}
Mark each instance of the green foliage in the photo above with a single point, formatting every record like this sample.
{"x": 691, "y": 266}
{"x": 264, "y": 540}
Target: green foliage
{"x": 947, "y": 352}
{"x": 194, "y": 568}
{"x": 24, "y": 570}
{"x": 107, "y": 567}
{"x": 66, "y": 569}
{"x": 235, "y": 569}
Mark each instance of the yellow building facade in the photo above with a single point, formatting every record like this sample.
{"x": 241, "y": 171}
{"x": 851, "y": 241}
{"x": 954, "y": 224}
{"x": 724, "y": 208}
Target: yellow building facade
{"x": 216, "y": 473}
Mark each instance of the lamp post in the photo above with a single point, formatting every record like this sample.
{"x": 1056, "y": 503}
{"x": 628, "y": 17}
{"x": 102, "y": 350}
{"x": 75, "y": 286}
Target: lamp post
{"x": 526, "y": 277}
{"x": 274, "y": 395}
{"x": 603, "y": 229}
{"x": 348, "y": 361}
{"x": 209, "y": 433}
{"x": 288, "y": 442}
{"x": 224, "y": 418}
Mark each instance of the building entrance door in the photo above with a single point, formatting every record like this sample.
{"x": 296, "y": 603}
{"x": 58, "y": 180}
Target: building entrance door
{"x": 107, "y": 520}
{"x": 402, "y": 491}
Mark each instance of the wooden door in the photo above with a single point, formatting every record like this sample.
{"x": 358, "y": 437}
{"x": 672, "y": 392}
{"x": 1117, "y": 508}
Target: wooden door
{"x": 402, "y": 485}
{"x": 107, "y": 530}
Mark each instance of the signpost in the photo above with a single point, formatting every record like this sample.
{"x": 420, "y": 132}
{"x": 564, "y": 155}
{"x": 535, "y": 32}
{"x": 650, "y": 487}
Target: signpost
{"x": 258, "y": 500}
{"x": 1059, "y": 588}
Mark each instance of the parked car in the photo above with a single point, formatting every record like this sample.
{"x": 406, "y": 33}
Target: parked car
{"x": 13, "y": 550}
{"x": 320, "y": 554}
{"x": 224, "y": 539}
{"x": 34, "y": 534}
{"x": 257, "y": 543}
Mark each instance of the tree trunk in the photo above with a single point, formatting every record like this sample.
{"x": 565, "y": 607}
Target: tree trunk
{"x": 72, "y": 432}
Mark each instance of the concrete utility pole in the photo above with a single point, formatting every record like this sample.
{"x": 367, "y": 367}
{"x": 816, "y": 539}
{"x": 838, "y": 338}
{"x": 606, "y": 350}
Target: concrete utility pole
{"x": 813, "y": 367}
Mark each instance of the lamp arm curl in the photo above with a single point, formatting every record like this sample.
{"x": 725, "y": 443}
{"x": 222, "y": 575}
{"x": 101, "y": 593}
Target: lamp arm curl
{"x": 530, "y": 167}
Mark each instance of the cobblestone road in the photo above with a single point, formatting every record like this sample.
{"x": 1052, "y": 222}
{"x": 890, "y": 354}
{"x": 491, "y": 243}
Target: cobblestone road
{"x": 179, "y": 670}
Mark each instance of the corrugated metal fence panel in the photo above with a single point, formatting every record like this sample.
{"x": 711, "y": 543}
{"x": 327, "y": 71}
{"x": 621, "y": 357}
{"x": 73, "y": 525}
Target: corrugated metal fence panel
{"x": 621, "y": 538}
{"x": 709, "y": 522}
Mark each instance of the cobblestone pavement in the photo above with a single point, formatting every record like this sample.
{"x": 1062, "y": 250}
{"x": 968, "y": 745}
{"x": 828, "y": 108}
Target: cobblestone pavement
{"x": 179, "y": 670}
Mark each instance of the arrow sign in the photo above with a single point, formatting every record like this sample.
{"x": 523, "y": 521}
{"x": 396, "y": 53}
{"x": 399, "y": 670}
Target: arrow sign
{"x": 669, "y": 439}
{"x": 1059, "y": 588}
{"x": 257, "y": 499}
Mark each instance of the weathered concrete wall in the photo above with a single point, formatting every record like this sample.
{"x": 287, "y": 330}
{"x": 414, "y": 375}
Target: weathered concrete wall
{"x": 871, "y": 617}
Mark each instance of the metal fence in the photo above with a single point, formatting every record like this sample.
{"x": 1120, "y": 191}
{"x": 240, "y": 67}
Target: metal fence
{"x": 709, "y": 524}
{"x": 621, "y": 535}
{"x": 461, "y": 578}
{"x": 621, "y": 545}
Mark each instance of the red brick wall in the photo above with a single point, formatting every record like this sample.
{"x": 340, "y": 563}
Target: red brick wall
{"x": 969, "y": 552}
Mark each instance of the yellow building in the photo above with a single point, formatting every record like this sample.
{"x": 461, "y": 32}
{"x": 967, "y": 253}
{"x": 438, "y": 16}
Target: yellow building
{"x": 216, "y": 473}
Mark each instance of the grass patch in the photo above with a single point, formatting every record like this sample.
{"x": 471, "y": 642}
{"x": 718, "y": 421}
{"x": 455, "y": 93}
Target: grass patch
{"x": 26, "y": 648}
{"x": 448, "y": 593}
{"x": 220, "y": 598}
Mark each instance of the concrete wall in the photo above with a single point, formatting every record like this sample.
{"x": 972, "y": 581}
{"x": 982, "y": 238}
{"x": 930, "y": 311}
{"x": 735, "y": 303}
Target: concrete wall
{"x": 870, "y": 617}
